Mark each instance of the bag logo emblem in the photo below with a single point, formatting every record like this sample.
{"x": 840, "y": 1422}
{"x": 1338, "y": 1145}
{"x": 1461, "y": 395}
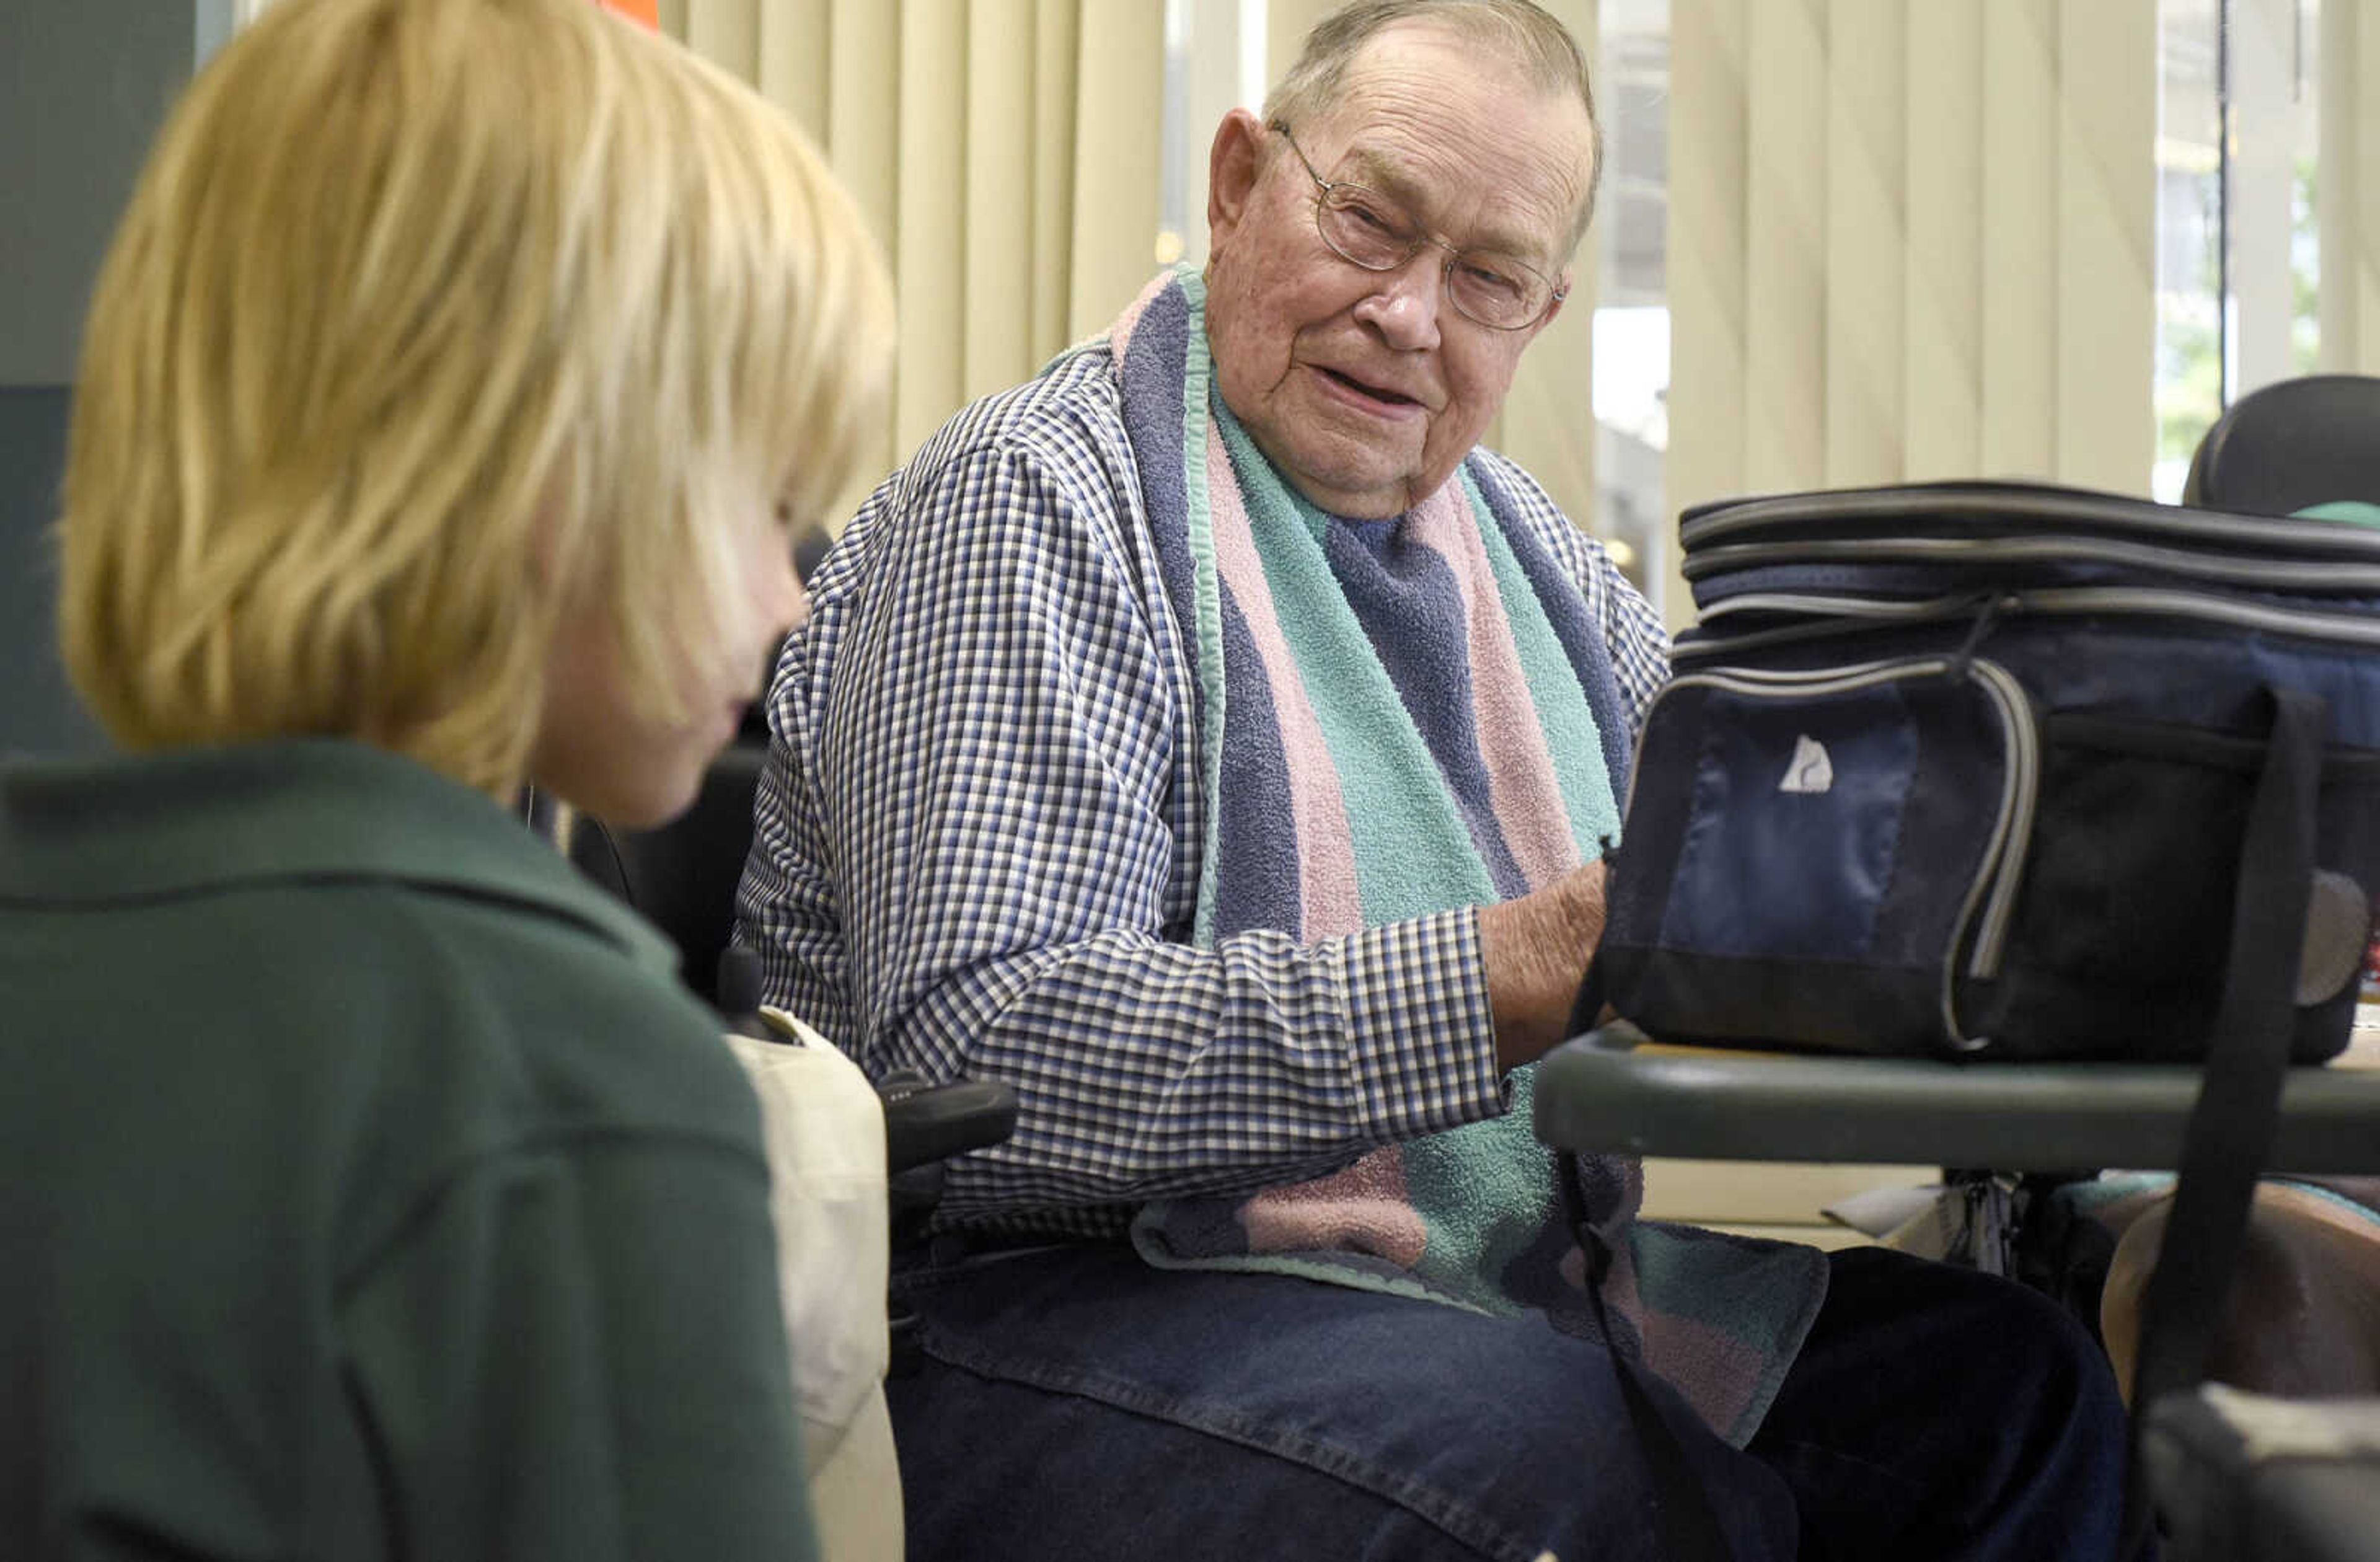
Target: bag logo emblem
{"x": 1809, "y": 770}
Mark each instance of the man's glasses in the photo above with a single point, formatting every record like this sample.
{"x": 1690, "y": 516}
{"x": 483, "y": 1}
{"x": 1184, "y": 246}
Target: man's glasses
{"x": 1374, "y": 232}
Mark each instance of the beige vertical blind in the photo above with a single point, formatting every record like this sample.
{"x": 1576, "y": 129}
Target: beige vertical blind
{"x": 1547, "y": 423}
{"x": 2349, "y": 214}
{"x": 1006, "y": 152}
{"x": 1908, "y": 240}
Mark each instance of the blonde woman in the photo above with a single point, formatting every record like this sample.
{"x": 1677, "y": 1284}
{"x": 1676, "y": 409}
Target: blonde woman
{"x": 367, "y": 1187}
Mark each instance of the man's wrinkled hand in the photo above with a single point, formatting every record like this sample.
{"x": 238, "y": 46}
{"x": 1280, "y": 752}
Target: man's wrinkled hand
{"x": 1535, "y": 950}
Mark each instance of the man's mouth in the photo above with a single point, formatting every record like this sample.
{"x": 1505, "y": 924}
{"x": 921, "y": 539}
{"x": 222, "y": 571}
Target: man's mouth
{"x": 1389, "y": 397}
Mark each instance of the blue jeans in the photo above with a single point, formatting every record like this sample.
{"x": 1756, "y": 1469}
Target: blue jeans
{"x": 1073, "y": 1402}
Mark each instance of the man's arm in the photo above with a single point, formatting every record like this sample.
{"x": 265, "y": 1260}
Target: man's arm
{"x": 1536, "y": 947}
{"x": 996, "y": 779}
{"x": 1534, "y": 950}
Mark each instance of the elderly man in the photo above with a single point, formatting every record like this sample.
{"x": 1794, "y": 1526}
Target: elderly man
{"x": 1211, "y": 739}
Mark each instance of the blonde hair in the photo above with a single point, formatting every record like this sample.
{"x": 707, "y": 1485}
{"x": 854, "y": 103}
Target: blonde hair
{"x": 1516, "y": 32}
{"x": 428, "y": 318}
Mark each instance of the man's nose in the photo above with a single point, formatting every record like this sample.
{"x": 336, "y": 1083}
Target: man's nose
{"x": 1404, "y": 304}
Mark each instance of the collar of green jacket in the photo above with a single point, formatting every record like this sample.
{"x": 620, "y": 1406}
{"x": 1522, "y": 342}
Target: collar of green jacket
{"x": 190, "y": 820}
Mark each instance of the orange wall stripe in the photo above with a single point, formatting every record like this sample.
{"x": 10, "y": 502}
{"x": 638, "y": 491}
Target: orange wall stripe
{"x": 640, "y": 10}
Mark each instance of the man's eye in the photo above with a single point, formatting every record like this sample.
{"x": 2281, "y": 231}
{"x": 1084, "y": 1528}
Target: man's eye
{"x": 1492, "y": 279}
{"x": 1372, "y": 217}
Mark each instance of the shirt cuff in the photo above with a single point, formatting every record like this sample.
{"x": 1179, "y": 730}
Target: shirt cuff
{"x": 1423, "y": 1039}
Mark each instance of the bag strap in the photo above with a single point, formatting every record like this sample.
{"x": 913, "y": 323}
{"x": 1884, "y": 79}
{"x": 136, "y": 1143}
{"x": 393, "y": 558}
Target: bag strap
{"x": 1687, "y": 1521}
{"x": 1587, "y": 1007}
{"x": 1683, "y": 1506}
{"x": 2230, "y": 1129}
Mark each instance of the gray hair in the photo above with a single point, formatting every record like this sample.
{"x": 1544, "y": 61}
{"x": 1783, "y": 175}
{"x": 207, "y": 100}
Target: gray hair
{"x": 1522, "y": 33}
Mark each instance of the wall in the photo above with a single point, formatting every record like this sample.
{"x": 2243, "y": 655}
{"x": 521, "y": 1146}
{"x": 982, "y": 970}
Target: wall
{"x": 37, "y": 711}
{"x": 83, "y": 84}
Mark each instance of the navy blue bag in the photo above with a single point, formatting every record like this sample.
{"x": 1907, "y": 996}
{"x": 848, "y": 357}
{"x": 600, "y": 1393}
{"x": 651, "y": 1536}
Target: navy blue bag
{"x": 1967, "y": 770}
{"x": 2000, "y": 771}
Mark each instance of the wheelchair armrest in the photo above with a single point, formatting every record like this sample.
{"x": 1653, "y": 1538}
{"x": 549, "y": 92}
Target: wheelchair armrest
{"x": 925, "y": 1123}
{"x": 2244, "y": 1477}
{"x": 924, "y": 1126}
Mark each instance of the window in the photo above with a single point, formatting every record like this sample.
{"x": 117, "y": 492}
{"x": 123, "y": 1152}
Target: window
{"x": 1632, "y": 311}
{"x": 2238, "y": 253}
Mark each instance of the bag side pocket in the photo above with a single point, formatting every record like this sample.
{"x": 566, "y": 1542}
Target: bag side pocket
{"x": 1805, "y": 852}
{"x": 2119, "y": 942}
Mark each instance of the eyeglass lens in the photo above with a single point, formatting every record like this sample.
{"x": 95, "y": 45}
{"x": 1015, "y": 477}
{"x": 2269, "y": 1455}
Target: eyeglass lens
{"x": 1363, "y": 225}
{"x": 1372, "y": 231}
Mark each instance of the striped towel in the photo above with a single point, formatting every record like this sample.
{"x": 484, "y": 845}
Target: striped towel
{"x": 1401, "y": 717}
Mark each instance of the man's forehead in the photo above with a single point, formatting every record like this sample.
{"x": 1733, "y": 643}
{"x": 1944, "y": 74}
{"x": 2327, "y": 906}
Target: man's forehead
{"x": 1506, "y": 213}
{"x": 1522, "y": 207}
{"x": 1520, "y": 182}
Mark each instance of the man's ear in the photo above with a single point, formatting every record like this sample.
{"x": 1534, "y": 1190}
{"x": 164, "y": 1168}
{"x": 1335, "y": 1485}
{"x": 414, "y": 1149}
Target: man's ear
{"x": 1232, "y": 165}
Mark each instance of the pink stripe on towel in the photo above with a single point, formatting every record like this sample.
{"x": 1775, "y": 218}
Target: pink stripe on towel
{"x": 1521, "y": 787}
{"x": 1360, "y": 1209}
{"x": 1327, "y": 897}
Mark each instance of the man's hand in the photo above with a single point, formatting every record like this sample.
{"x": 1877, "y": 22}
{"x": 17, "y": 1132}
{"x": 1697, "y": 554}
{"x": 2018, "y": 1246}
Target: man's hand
{"x": 1535, "y": 950}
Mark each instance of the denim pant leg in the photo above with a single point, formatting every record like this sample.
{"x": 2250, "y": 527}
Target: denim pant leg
{"x": 1074, "y": 1402}
{"x": 1937, "y": 1413}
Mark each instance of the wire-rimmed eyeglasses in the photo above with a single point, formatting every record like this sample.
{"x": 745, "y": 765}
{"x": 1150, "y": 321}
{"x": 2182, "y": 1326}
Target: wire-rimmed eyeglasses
{"x": 1367, "y": 228}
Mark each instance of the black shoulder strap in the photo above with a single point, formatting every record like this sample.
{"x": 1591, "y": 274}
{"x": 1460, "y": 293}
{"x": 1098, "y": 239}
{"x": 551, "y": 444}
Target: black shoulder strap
{"x": 1689, "y": 1522}
{"x": 2230, "y": 1129}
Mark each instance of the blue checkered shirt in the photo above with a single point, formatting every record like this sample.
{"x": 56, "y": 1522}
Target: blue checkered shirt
{"x": 977, "y": 843}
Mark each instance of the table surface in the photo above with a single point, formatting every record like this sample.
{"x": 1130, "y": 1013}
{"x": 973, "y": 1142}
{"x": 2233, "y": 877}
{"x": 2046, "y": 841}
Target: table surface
{"x": 1606, "y": 1091}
